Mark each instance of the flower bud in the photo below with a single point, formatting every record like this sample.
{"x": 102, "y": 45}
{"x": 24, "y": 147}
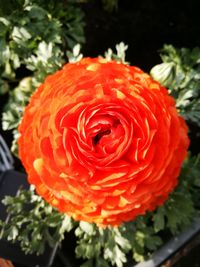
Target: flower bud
{"x": 163, "y": 73}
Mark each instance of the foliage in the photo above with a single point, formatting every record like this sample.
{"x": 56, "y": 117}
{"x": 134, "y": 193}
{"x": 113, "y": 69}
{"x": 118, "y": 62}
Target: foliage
{"x": 34, "y": 33}
{"x": 33, "y": 223}
{"x": 120, "y": 55}
{"x": 110, "y": 5}
{"x": 34, "y": 39}
{"x": 180, "y": 72}
{"x": 112, "y": 244}
{"x": 107, "y": 244}
{"x": 36, "y": 224}
{"x": 75, "y": 55}
{"x": 184, "y": 198}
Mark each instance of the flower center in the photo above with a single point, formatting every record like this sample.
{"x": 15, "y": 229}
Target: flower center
{"x": 106, "y": 134}
{"x": 97, "y": 138}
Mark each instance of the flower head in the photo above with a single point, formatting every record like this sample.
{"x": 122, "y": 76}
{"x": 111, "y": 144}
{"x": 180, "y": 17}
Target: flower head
{"x": 102, "y": 141}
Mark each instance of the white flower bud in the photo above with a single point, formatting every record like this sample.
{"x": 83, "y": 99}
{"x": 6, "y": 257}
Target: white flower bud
{"x": 163, "y": 73}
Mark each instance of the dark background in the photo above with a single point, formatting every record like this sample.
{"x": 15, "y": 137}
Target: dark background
{"x": 145, "y": 25}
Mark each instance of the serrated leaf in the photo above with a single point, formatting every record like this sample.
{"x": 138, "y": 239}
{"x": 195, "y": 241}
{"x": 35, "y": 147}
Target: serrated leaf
{"x": 9, "y": 120}
{"x": 87, "y": 227}
{"x": 4, "y": 21}
{"x": 67, "y": 224}
{"x": 172, "y": 220}
{"x": 122, "y": 242}
{"x": 140, "y": 237}
{"x": 159, "y": 220}
{"x": 4, "y": 87}
{"x": 185, "y": 86}
{"x": 29, "y": 225}
{"x": 36, "y": 12}
{"x": 120, "y": 55}
{"x": 76, "y": 50}
{"x": 13, "y": 233}
{"x": 138, "y": 257}
{"x": 153, "y": 242}
{"x": 20, "y": 34}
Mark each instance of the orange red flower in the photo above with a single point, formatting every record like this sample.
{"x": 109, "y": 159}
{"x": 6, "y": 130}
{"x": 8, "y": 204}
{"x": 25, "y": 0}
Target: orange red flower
{"x": 102, "y": 141}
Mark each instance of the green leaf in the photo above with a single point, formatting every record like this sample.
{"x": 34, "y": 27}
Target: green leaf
{"x": 4, "y": 21}
{"x": 10, "y": 120}
{"x": 138, "y": 257}
{"x": 67, "y": 224}
{"x": 13, "y": 233}
{"x": 4, "y": 87}
{"x": 36, "y": 12}
{"x": 20, "y": 34}
{"x": 121, "y": 53}
{"x": 153, "y": 242}
{"x": 3, "y": 29}
{"x": 4, "y": 51}
{"x": 140, "y": 238}
{"x": 122, "y": 242}
{"x": 180, "y": 73}
{"x": 75, "y": 55}
{"x": 159, "y": 220}
{"x": 32, "y": 222}
{"x": 87, "y": 227}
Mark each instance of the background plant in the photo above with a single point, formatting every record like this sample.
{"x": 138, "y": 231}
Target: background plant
{"x": 180, "y": 72}
{"x": 34, "y": 38}
{"x": 33, "y": 223}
